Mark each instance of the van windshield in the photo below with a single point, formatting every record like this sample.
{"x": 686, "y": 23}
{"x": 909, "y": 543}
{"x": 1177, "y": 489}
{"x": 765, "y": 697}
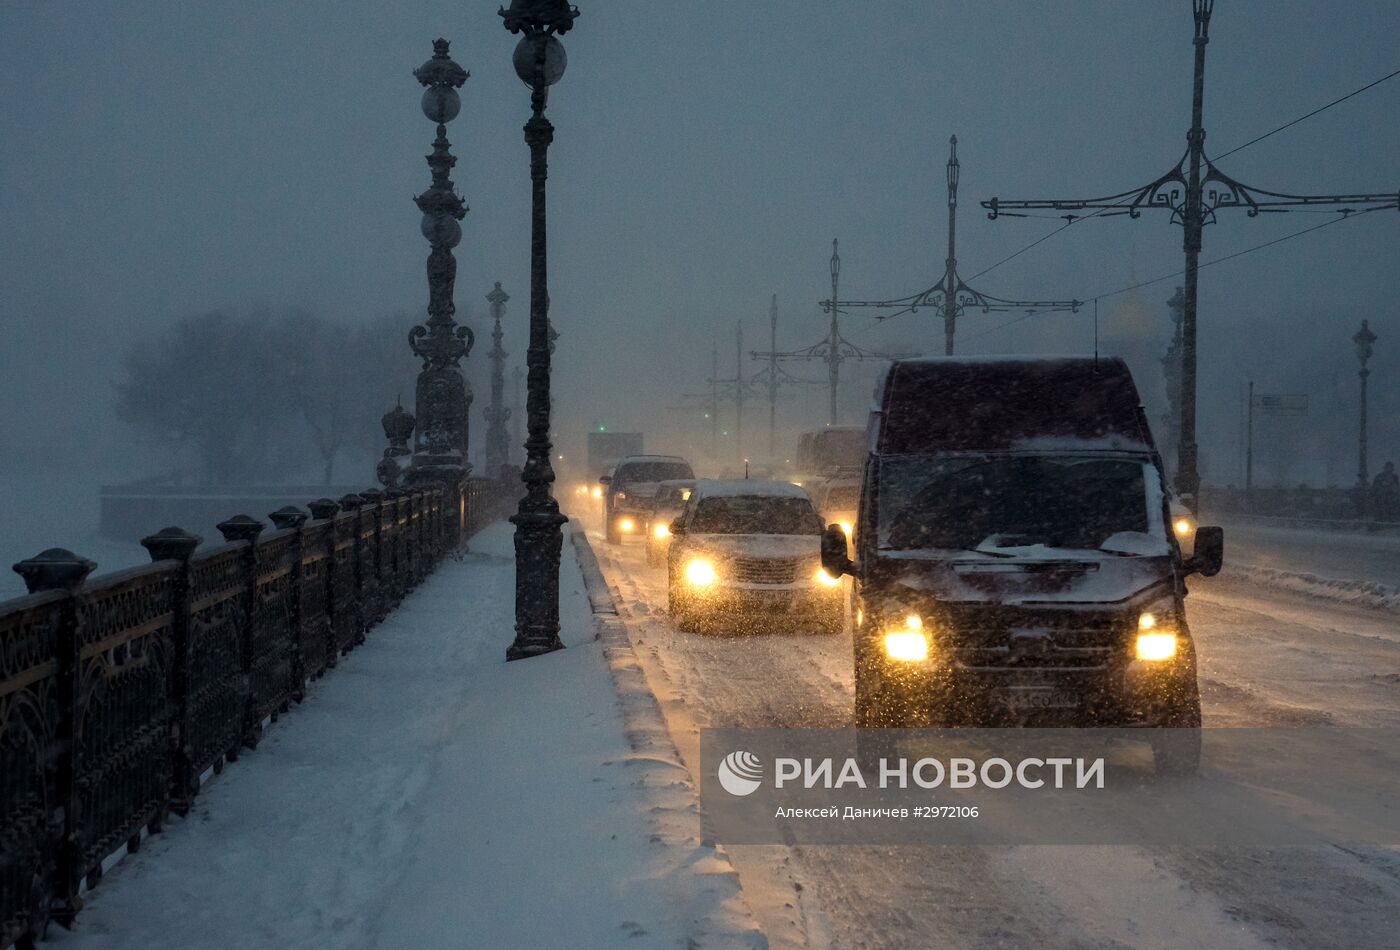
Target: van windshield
{"x": 971, "y": 502}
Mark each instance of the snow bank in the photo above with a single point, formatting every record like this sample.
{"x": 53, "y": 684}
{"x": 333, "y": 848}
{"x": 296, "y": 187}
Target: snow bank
{"x": 1359, "y": 592}
{"x": 428, "y": 794}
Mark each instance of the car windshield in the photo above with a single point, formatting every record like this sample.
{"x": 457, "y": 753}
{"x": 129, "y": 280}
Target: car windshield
{"x": 652, "y": 472}
{"x": 969, "y": 502}
{"x": 755, "y": 514}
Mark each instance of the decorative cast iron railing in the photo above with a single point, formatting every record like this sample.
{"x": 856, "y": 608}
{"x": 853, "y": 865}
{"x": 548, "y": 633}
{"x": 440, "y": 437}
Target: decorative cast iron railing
{"x": 119, "y": 693}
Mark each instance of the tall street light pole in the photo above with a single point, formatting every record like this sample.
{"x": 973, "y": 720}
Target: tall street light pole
{"x": 497, "y": 442}
{"x": 539, "y": 62}
{"x": 952, "y": 296}
{"x": 1365, "y": 340}
{"x": 442, "y": 396}
{"x": 835, "y": 349}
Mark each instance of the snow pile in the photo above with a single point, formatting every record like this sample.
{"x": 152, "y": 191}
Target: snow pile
{"x": 1359, "y": 592}
{"x": 1343, "y": 567}
{"x": 428, "y": 795}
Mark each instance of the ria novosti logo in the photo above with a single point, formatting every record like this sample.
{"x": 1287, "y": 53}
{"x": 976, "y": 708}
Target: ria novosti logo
{"x": 740, "y": 773}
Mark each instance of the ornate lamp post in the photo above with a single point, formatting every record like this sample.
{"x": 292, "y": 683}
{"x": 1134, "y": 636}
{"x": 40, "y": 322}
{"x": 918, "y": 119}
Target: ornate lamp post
{"x": 440, "y": 448}
{"x": 497, "y": 442}
{"x": 539, "y": 61}
{"x": 1365, "y": 340}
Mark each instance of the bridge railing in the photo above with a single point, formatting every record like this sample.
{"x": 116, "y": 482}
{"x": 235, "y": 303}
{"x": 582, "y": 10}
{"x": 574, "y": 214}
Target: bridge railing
{"x": 119, "y": 693}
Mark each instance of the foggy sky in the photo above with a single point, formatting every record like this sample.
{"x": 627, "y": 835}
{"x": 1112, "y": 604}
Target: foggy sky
{"x": 160, "y": 159}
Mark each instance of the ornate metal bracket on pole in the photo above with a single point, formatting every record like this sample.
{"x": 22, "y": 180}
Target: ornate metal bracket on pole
{"x": 497, "y": 442}
{"x": 539, "y": 62}
{"x": 1192, "y": 191}
{"x": 442, "y": 396}
{"x": 952, "y": 296}
{"x": 835, "y": 349}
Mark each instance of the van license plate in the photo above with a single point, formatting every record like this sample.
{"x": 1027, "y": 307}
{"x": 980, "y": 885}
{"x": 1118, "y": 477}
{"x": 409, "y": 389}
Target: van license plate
{"x": 1023, "y": 698}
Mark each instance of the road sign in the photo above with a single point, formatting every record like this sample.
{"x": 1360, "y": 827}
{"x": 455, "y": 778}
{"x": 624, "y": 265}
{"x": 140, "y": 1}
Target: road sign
{"x": 1282, "y": 404}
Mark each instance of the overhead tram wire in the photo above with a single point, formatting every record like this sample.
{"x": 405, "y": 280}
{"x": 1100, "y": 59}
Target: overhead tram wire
{"x": 1219, "y": 260}
{"x": 1072, "y": 219}
{"x": 1300, "y": 118}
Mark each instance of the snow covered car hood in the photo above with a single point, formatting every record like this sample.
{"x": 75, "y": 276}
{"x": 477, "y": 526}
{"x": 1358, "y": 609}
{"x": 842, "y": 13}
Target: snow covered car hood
{"x": 756, "y": 545}
{"x": 1081, "y": 577}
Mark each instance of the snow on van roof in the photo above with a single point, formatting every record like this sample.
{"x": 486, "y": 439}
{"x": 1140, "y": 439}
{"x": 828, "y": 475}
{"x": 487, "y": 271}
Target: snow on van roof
{"x": 744, "y": 487}
{"x": 998, "y": 403}
{"x": 649, "y": 458}
{"x": 1008, "y": 358}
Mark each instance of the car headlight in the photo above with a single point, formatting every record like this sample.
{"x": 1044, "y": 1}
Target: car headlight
{"x": 626, "y": 524}
{"x": 824, "y": 579}
{"x": 661, "y": 530}
{"x": 597, "y": 491}
{"x": 700, "y": 573}
{"x": 907, "y": 641}
{"x": 1183, "y": 527}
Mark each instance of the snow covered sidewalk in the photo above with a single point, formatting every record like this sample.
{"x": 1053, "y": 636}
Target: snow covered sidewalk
{"x": 429, "y": 795}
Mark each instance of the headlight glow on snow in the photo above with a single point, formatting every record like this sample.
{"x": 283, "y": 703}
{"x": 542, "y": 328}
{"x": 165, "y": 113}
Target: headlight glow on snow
{"x": 824, "y": 579}
{"x": 661, "y": 530}
{"x": 847, "y": 529}
{"x": 700, "y": 573}
{"x": 908, "y": 645}
{"x": 1156, "y": 646}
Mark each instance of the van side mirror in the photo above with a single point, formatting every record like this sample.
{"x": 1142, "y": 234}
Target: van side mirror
{"x": 834, "y": 559}
{"x": 677, "y": 528}
{"x": 605, "y": 480}
{"x": 1209, "y": 552}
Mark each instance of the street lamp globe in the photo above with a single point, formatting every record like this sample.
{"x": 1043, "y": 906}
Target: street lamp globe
{"x": 441, "y": 230}
{"x": 525, "y": 57}
{"x": 1365, "y": 341}
{"x": 441, "y": 103}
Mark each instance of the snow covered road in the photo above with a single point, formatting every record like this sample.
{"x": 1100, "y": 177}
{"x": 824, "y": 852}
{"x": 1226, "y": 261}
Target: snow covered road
{"x": 1267, "y": 657}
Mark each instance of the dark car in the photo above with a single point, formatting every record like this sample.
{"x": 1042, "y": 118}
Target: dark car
{"x": 630, "y": 491}
{"x": 1016, "y": 560}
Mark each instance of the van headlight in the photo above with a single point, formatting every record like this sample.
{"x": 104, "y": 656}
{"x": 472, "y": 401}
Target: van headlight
{"x": 1156, "y": 633}
{"x": 907, "y": 640}
{"x": 1156, "y": 646}
{"x": 823, "y": 579}
{"x": 661, "y": 530}
{"x": 700, "y": 573}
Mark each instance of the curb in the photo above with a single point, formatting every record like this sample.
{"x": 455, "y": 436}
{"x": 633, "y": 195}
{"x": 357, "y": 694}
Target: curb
{"x": 647, "y": 735}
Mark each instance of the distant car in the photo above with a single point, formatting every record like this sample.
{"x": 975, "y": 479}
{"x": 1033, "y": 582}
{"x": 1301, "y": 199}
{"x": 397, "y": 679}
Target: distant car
{"x": 629, "y": 491}
{"x": 667, "y": 505}
{"x": 747, "y": 548}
